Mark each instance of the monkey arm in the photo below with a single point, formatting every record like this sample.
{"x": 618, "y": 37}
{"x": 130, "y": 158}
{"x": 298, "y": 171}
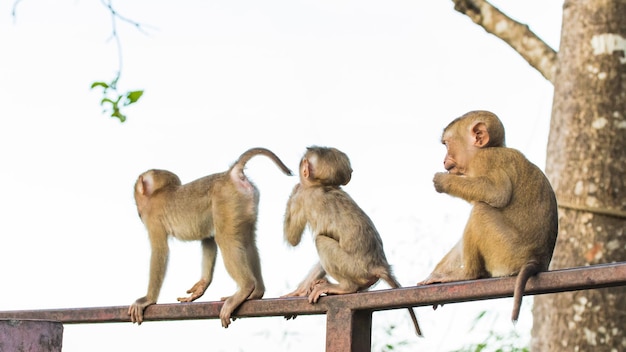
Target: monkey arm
{"x": 158, "y": 264}
{"x": 295, "y": 217}
{"x": 209, "y": 254}
{"x": 495, "y": 189}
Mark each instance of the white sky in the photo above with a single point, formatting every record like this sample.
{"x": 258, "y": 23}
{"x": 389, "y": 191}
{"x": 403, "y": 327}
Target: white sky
{"x": 378, "y": 80}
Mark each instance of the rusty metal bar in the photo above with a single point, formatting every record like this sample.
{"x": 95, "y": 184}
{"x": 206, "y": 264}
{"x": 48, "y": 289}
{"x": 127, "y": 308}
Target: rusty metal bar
{"x": 582, "y": 278}
{"x": 349, "y": 317}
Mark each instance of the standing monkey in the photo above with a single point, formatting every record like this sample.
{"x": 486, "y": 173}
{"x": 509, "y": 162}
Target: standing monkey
{"x": 218, "y": 210}
{"x": 513, "y": 225}
{"x": 349, "y": 247}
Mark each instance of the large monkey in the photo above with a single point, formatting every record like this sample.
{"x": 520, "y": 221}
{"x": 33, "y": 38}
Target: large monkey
{"x": 349, "y": 247}
{"x": 513, "y": 225}
{"x": 218, "y": 210}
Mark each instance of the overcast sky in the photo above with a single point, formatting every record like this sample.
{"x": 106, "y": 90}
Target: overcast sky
{"x": 378, "y": 80}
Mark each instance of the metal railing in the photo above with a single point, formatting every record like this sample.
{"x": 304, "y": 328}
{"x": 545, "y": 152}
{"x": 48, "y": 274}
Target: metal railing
{"x": 349, "y": 317}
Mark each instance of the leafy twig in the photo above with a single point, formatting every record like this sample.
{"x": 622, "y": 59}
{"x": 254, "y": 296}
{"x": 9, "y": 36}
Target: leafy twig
{"x": 114, "y": 105}
{"x": 112, "y": 99}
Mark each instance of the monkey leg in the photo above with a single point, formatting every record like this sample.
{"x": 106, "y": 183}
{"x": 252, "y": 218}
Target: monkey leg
{"x": 255, "y": 266}
{"x": 352, "y": 272}
{"x": 242, "y": 263}
{"x": 492, "y": 247}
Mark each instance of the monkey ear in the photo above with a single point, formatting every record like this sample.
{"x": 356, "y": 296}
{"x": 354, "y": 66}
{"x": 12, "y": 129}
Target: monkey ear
{"x": 480, "y": 135}
{"x": 145, "y": 185}
{"x": 305, "y": 169}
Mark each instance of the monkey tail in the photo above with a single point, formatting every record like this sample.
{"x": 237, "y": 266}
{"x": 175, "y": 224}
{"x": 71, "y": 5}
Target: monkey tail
{"x": 393, "y": 283}
{"x": 250, "y": 153}
{"x": 529, "y": 269}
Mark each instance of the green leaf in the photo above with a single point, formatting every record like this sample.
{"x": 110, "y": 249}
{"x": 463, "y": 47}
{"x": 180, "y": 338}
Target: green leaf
{"x": 133, "y": 96}
{"x": 99, "y": 84}
{"x": 106, "y": 100}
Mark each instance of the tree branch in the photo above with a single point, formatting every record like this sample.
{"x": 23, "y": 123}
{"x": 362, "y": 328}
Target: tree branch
{"x": 534, "y": 50}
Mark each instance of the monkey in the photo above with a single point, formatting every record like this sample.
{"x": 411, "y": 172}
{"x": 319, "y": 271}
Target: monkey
{"x": 513, "y": 224}
{"x": 219, "y": 210}
{"x": 349, "y": 246}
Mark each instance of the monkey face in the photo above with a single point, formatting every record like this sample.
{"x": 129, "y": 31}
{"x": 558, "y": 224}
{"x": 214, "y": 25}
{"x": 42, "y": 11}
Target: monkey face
{"x": 458, "y": 154}
{"x": 462, "y": 141}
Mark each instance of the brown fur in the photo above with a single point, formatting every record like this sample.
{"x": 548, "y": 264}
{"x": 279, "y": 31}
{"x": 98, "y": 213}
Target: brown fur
{"x": 349, "y": 247}
{"x": 513, "y": 224}
{"x": 218, "y": 210}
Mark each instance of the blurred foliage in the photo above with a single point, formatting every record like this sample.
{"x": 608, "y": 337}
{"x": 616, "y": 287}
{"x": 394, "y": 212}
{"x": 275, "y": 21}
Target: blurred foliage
{"x": 496, "y": 341}
{"x": 392, "y": 342}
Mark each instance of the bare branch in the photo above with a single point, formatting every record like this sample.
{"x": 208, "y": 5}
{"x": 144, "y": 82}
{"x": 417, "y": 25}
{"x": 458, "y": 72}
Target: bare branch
{"x": 534, "y": 50}
{"x": 114, "y": 35}
{"x": 116, "y": 15}
{"x": 14, "y": 11}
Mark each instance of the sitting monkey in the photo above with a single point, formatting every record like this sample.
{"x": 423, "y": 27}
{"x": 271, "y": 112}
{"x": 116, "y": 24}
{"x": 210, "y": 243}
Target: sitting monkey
{"x": 349, "y": 247}
{"x": 513, "y": 225}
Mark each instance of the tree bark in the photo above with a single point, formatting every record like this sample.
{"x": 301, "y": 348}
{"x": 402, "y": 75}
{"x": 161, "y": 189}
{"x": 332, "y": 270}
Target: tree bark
{"x": 586, "y": 163}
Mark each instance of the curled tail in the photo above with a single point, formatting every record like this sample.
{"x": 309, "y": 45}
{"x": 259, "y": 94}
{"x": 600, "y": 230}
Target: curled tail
{"x": 246, "y": 156}
{"x": 529, "y": 269}
{"x": 391, "y": 281}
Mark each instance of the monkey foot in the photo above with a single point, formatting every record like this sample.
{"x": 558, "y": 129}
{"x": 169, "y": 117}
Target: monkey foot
{"x": 319, "y": 282}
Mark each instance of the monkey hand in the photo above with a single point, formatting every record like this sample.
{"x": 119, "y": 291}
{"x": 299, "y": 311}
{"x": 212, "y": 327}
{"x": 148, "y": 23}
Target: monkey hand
{"x": 135, "y": 311}
{"x": 441, "y": 181}
{"x": 196, "y": 291}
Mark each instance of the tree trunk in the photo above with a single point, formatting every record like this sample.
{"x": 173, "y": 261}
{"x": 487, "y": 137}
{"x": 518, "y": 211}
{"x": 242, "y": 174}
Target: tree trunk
{"x": 586, "y": 163}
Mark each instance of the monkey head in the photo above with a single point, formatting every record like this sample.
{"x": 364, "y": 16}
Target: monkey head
{"x": 467, "y": 134}
{"x": 325, "y": 166}
{"x": 150, "y": 182}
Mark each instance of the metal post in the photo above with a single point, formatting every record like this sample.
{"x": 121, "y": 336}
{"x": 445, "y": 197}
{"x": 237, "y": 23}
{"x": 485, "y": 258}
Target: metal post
{"x": 31, "y": 335}
{"x": 348, "y": 330}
